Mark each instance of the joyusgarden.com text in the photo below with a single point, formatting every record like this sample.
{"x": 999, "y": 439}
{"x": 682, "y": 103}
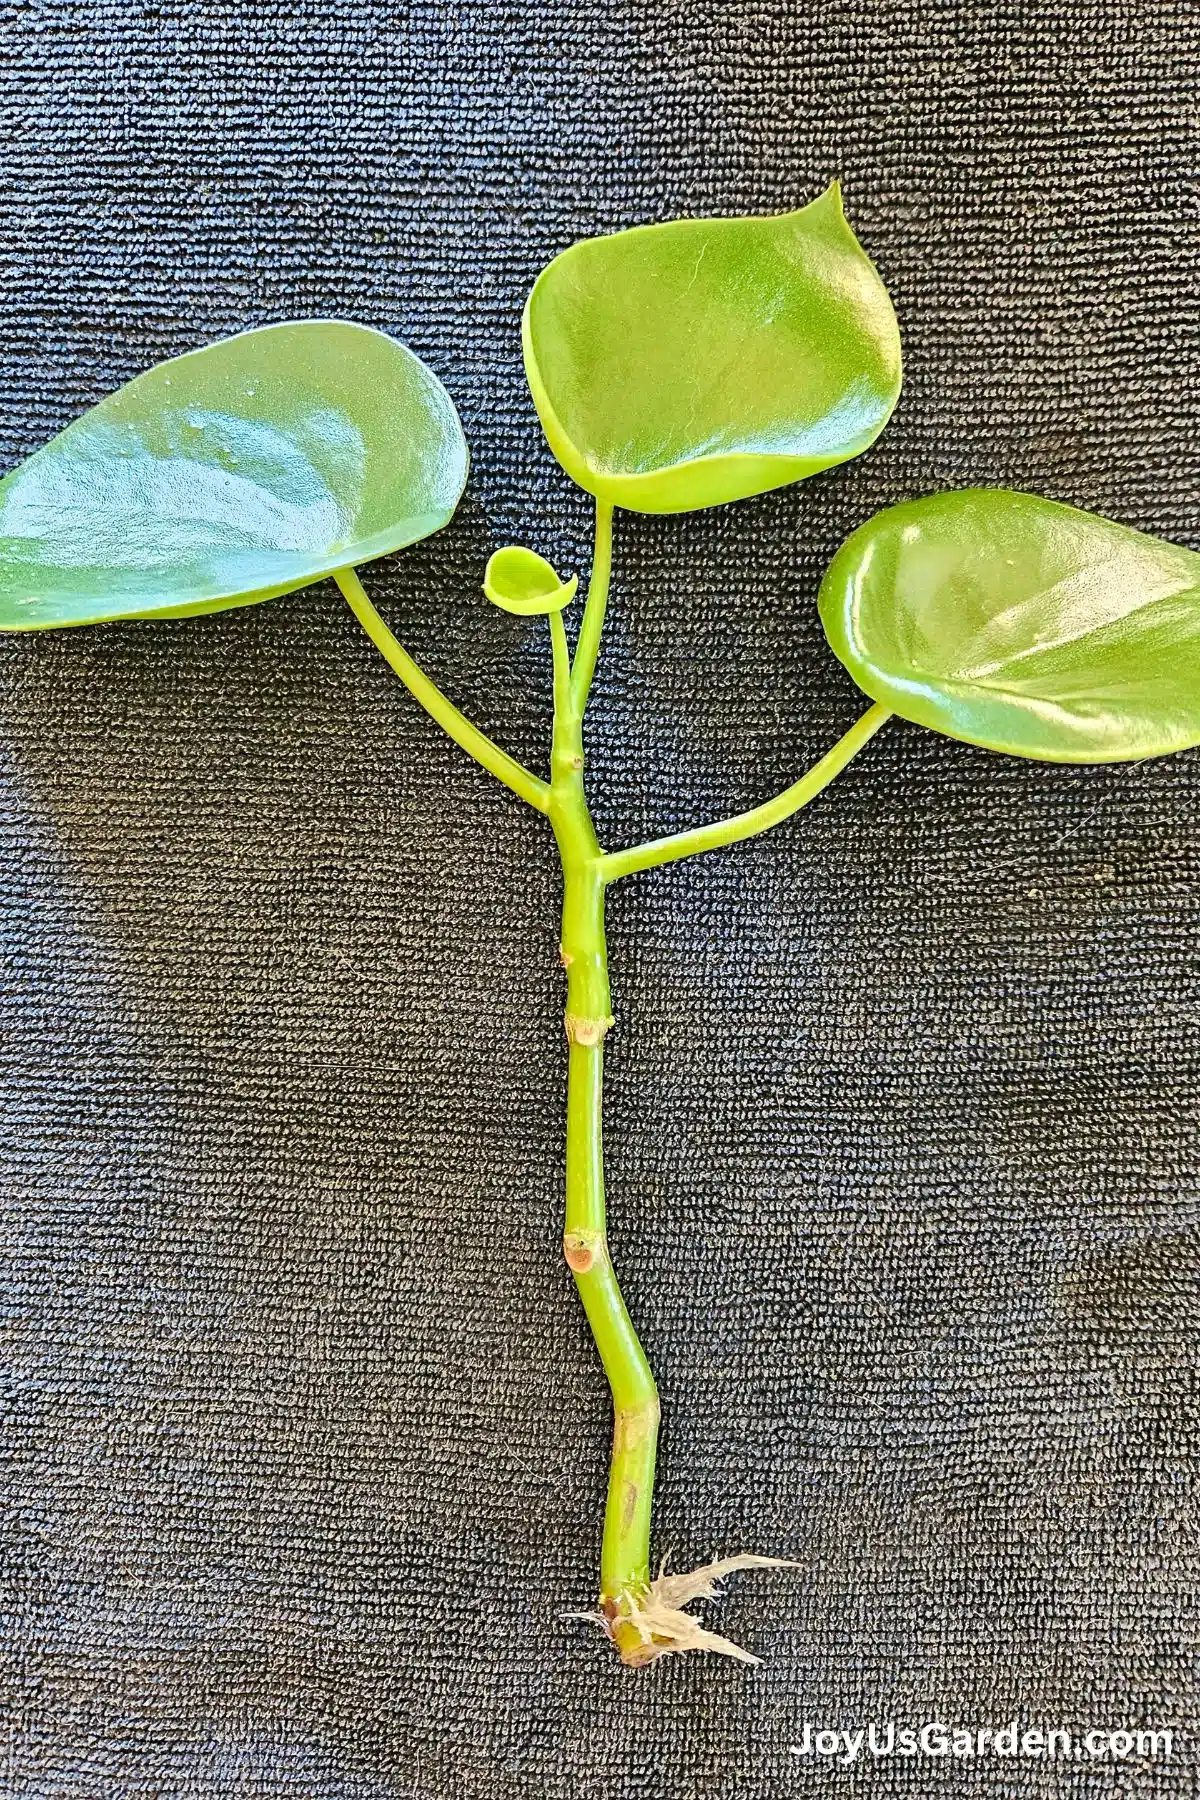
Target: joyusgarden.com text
{"x": 1013, "y": 1739}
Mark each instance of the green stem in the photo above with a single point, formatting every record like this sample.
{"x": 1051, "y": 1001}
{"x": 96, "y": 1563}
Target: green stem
{"x": 625, "y": 1552}
{"x": 468, "y": 737}
{"x": 587, "y": 874}
{"x": 761, "y": 818}
{"x": 588, "y": 647}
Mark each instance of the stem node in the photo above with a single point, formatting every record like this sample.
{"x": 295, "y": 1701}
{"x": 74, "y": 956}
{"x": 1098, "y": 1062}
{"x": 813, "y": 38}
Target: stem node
{"x": 583, "y": 1250}
{"x": 633, "y": 1424}
{"x": 588, "y": 1032}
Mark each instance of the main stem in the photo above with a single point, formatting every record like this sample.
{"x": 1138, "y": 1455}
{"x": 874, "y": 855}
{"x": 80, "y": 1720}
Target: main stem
{"x": 587, "y": 871}
{"x": 625, "y": 1552}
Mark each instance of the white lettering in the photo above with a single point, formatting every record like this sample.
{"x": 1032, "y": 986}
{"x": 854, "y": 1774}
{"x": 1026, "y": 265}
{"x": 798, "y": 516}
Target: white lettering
{"x": 884, "y": 1738}
{"x": 1006, "y": 1739}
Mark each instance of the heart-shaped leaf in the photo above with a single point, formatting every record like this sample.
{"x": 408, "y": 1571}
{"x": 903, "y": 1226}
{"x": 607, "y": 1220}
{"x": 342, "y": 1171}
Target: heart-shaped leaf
{"x": 521, "y": 581}
{"x": 229, "y": 475}
{"x": 681, "y": 365}
{"x": 1022, "y": 625}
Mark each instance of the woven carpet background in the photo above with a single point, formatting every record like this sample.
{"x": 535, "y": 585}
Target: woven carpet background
{"x": 304, "y": 1442}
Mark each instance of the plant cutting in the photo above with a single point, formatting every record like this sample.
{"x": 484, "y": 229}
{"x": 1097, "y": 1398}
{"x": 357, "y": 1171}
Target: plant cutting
{"x": 673, "y": 367}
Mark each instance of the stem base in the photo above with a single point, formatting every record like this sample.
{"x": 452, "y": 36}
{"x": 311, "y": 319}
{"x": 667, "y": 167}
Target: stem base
{"x": 650, "y": 1622}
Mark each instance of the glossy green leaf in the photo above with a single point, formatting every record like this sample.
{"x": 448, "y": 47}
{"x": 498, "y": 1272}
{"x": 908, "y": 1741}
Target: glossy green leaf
{"x": 521, "y": 581}
{"x": 1021, "y": 625}
{"x": 229, "y": 475}
{"x": 682, "y": 365}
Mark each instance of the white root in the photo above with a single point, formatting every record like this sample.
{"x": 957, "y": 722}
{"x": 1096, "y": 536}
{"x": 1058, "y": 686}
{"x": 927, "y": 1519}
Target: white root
{"x": 658, "y": 1618}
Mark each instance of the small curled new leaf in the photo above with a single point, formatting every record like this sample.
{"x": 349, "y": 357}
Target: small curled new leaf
{"x": 1023, "y": 625}
{"x": 521, "y": 581}
{"x": 683, "y": 365}
{"x": 229, "y": 475}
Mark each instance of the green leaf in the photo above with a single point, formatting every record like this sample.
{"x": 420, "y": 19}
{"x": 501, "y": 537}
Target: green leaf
{"x": 1021, "y": 625}
{"x": 682, "y": 365}
{"x": 521, "y": 581}
{"x": 229, "y": 475}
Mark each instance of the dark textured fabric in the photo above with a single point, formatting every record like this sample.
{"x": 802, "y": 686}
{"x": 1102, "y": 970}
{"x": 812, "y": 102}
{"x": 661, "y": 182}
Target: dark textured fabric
{"x": 304, "y": 1440}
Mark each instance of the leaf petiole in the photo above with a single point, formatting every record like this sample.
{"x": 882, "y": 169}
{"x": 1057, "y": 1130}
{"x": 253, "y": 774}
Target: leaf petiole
{"x": 748, "y": 824}
{"x": 588, "y": 646}
{"x": 562, "y": 665}
{"x": 497, "y": 762}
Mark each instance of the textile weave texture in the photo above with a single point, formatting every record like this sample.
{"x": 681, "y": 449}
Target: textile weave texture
{"x": 304, "y": 1441}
